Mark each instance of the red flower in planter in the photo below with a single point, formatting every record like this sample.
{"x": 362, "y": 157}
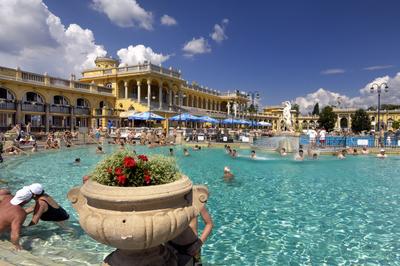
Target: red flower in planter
{"x": 121, "y": 179}
{"x": 129, "y": 162}
{"x": 143, "y": 158}
{"x": 147, "y": 179}
{"x": 118, "y": 171}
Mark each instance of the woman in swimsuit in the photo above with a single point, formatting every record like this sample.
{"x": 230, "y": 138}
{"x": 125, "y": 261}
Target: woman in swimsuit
{"x": 46, "y": 208}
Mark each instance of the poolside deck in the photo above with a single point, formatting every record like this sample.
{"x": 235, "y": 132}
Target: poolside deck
{"x": 9, "y": 257}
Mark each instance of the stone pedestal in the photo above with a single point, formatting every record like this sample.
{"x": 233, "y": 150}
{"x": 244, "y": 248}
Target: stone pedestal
{"x": 160, "y": 255}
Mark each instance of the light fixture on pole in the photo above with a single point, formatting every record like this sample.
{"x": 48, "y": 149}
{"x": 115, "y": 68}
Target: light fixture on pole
{"x": 253, "y": 96}
{"x": 378, "y": 88}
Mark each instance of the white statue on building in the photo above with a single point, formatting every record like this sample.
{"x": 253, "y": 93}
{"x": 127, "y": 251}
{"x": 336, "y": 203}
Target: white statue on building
{"x": 287, "y": 116}
{"x": 235, "y": 106}
{"x": 228, "y": 107}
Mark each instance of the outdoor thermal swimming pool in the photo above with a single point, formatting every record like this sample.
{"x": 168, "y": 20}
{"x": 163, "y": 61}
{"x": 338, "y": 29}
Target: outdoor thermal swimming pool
{"x": 275, "y": 211}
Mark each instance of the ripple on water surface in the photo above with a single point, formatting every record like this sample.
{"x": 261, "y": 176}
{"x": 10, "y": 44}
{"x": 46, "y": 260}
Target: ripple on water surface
{"x": 275, "y": 211}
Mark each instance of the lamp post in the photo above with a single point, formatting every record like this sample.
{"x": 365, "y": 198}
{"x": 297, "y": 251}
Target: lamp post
{"x": 253, "y": 96}
{"x": 180, "y": 108}
{"x": 152, "y": 98}
{"x": 378, "y": 88}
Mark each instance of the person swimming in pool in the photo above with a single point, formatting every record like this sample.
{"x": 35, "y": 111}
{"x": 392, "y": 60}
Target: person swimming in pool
{"x": 99, "y": 150}
{"x": 46, "y": 208}
{"x": 299, "y": 156}
{"x": 227, "y": 173}
{"x": 186, "y": 152}
{"x": 253, "y": 154}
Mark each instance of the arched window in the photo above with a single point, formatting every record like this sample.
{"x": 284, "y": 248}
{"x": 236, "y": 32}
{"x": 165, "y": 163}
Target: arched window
{"x": 33, "y": 97}
{"x": 60, "y": 100}
{"x": 6, "y": 94}
{"x": 83, "y": 103}
{"x": 109, "y": 85}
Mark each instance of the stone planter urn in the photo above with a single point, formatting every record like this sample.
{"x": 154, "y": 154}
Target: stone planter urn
{"x": 137, "y": 220}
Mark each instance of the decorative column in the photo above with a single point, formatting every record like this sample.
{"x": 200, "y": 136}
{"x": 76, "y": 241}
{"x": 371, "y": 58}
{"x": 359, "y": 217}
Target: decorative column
{"x": 18, "y": 113}
{"x": 138, "y": 91}
{"x": 126, "y": 89}
{"x": 219, "y": 106}
{"x": 72, "y": 119}
{"x": 170, "y": 98}
{"x": 148, "y": 93}
{"x": 160, "y": 96}
{"x": 349, "y": 122}
{"x": 47, "y": 116}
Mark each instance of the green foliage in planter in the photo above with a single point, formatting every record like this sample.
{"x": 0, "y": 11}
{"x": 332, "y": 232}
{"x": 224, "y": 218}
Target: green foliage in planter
{"x": 125, "y": 168}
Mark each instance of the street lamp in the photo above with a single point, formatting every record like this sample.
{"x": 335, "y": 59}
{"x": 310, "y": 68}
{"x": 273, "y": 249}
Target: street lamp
{"x": 180, "y": 107}
{"x": 378, "y": 88}
{"x": 152, "y": 98}
{"x": 253, "y": 96}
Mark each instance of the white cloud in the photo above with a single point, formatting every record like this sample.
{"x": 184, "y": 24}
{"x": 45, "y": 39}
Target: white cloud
{"x": 134, "y": 55}
{"x": 218, "y": 34}
{"x": 372, "y": 68}
{"x": 37, "y": 40}
{"x": 125, "y": 13}
{"x": 196, "y": 46}
{"x": 168, "y": 20}
{"x": 364, "y": 100}
{"x": 332, "y": 71}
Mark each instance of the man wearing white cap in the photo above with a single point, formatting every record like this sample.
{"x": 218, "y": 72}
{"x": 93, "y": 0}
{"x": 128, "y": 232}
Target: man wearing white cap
{"x": 13, "y": 215}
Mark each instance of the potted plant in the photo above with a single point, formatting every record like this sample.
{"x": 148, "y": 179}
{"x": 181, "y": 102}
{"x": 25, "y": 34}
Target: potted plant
{"x": 136, "y": 203}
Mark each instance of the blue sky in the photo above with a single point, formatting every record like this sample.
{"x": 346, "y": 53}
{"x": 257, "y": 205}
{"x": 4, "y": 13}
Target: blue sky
{"x": 284, "y": 49}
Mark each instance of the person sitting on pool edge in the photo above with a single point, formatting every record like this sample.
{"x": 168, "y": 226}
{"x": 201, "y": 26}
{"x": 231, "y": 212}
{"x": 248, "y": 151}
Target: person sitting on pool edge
{"x": 12, "y": 213}
{"x": 46, "y": 208}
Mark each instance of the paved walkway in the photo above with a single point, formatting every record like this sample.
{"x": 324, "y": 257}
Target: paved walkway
{"x": 9, "y": 257}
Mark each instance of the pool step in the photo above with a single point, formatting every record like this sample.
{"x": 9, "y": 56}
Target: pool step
{"x": 9, "y": 257}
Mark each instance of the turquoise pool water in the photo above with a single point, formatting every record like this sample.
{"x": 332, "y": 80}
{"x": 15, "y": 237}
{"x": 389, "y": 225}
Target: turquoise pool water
{"x": 275, "y": 211}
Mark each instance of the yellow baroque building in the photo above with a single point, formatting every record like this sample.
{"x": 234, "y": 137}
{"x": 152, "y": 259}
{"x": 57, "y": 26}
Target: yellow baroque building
{"x": 103, "y": 94}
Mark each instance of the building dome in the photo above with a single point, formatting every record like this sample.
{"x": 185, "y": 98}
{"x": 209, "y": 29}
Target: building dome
{"x": 106, "y": 62}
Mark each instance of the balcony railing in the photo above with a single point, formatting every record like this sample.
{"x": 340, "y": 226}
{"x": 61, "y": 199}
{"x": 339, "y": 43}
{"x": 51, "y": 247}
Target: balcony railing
{"x": 83, "y": 86}
{"x": 81, "y": 111}
{"x": 149, "y": 68}
{"x": 7, "y": 105}
{"x": 32, "y": 107}
{"x": 12, "y": 74}
{"x": 104, "y": 89}
{"x": 60, "y": 109}
{"x": 33, "y": 77}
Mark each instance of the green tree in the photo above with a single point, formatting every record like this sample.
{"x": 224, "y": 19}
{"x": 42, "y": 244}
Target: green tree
{"x": 316, "y": 109}
{"x": 396, "y": 125}
{"x": 327, "y": 118}
{"x": 296, "y": 107}
{"x": 360, "y": 121}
